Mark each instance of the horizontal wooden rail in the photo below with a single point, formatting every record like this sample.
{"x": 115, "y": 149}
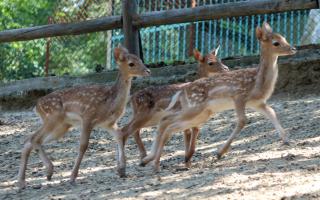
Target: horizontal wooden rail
{"x": 218, "y": 11}
{"x": 100, "y": 24}
{"x": 156, "y": 18}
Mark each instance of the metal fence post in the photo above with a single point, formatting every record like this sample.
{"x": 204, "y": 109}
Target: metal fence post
{"x": 131, "y": 33}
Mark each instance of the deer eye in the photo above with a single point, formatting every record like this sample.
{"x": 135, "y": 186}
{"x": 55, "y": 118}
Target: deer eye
{"x": 210, "y": 63}
{"x": 131, "y": 64}
{"x": 276, "y": 44}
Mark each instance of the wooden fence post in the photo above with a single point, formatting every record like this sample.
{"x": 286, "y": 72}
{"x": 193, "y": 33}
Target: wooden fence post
{"x": 131, "y": 33}
{"x": 46, "y": 70}
{"x": 192, "y": 33}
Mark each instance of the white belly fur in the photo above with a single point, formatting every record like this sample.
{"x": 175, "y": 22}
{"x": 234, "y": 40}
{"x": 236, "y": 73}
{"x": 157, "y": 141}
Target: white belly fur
{"x": 73, "y": 118}
{"x": 218, "y": 105}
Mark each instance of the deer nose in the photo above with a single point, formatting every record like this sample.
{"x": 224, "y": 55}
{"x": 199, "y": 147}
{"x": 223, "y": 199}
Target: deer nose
{"x": 148, "y": 71}
{"x": 225, "y": 68}
{"x": 293, "y": 50}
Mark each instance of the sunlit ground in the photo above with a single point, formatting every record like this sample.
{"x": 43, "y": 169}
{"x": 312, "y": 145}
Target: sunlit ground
{"x": 257, "y": 166}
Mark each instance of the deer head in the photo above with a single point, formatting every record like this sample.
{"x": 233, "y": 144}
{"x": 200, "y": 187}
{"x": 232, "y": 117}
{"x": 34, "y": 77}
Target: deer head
{"x": 129, "y": 64}
{"x": 210, "y": 63}
{"x": 273, "y": 42}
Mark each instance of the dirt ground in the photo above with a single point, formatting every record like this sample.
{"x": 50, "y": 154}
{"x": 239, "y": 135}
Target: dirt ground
{"x": 257, "y": 166}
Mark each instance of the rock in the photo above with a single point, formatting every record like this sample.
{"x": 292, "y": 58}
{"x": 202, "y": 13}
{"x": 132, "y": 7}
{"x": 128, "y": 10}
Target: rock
{"x": 37, "y": 186}
{"x": 289, "y": 157}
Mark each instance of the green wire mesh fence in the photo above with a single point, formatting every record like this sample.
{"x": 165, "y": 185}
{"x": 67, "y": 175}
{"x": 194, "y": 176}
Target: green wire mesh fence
{"x": 87, "y": 53}
{"x": 235, "y": 35}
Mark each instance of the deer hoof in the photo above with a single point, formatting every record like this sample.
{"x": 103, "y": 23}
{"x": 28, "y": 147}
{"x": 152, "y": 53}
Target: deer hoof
{"x": 219, "y": 155}
{"x": 49, "y": 177}
{"x": 286, "y": 143}
{"x": 156, "y": 169}
{"x": 122, "y": 172}
{"x": 187, "y": 164}
{"x": 72, "y": 182}
{"x": 21, "y": 185}
{"x": 142, "y": 164}
{"x": 142, "y": 156}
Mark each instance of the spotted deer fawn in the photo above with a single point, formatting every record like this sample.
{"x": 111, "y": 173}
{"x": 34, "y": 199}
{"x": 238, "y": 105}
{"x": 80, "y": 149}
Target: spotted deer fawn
{"x": 149, "y": 104}
{"x": 87, "y": 106}
{"x": 233, "y": 90}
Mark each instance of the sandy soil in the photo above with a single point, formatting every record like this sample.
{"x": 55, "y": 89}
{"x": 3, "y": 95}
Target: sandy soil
{"x": 257, "y": 167}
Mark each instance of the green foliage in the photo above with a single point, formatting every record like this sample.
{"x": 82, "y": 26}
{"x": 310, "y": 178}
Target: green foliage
{"x": 77, "y": 55}
{"x": 23, "y": 59}
{"x": 68, "y": 55}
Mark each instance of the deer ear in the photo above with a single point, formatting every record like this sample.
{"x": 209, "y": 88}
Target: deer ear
{"x": 259, "y": 33}
{"x": 215, "y": 51}
{"x": 266, "y": 28}
{"x": 120, "y": 53}
{"x": 197, "y": 55}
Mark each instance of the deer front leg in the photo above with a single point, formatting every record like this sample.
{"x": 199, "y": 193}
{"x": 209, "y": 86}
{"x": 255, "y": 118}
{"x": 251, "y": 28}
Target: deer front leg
{"x": 187, "y": 137}
{"x": 240, "y": 111}
{"x": 269, "y": 113}
{"x": 84, "y": 141}
{"x": 121, "y": 139}
{"x": 121, "y": 159}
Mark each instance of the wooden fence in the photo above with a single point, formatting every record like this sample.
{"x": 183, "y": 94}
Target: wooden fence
{"x": 131, "y": 22}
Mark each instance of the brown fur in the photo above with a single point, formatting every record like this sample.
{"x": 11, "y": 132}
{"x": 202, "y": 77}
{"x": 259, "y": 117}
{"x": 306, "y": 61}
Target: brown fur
{"x": 149, "y": 104}
{"x": 87, "y": 106}
{"x": 233, "y": 90}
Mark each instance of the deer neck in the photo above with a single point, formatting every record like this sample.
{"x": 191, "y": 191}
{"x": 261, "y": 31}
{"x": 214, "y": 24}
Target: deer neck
{"x": 267, "y": 74}
{"x": 121, "y": 89}
{"x": 202, "y": 73}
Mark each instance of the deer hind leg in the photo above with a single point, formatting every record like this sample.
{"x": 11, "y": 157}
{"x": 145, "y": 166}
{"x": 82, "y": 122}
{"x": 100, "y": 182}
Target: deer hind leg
{"x": 269, "y": 113}
{"x": 164, "y": 123}
{"x": 196, "y": 115}
{"x": 134, "y": 127}
{"x": 240, "y": 111}
{"x": 23, "y": 164}
{"x": 46, "y": 161}
{"x": 192, "y": 146}
{"x": 35, "y": 141}
{"x": 152, "y": 154}
{"x": 141, "y": 147}
{"x": 55, "y": 134}
{"x": 84, "y": 141}
{"x": 163, "y": 140}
